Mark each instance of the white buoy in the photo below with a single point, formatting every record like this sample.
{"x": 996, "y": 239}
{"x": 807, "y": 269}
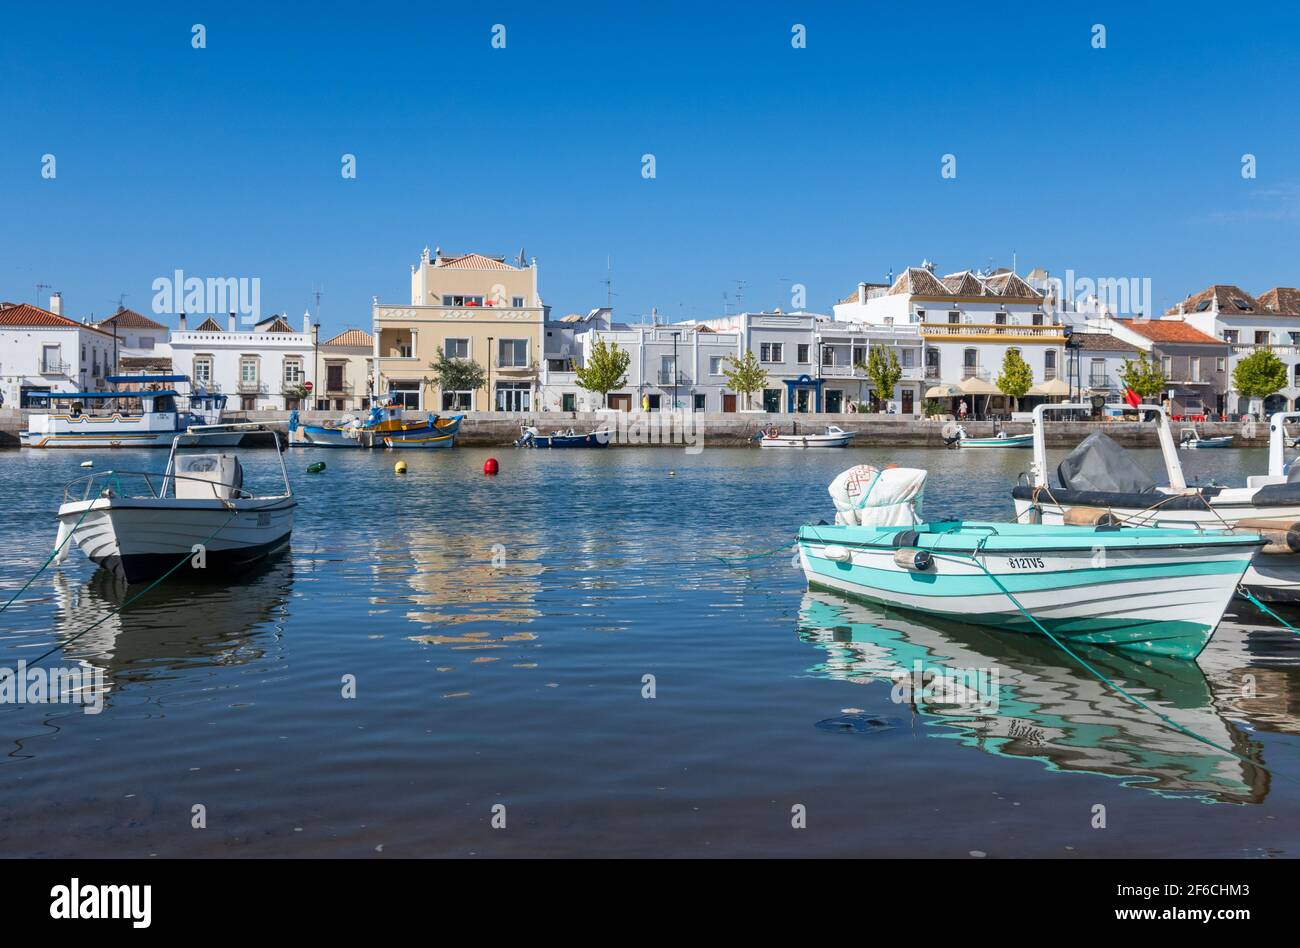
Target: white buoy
{"x": 87, "y": 463}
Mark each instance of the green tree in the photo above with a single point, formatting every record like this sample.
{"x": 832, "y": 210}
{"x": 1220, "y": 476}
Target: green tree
{"x": 1259, "y": 375}
{"x": 1144, "y": 375}
{"x": 457, "y": 375}
{"x": 1016, "y": 378}
{"x": 745, "y": 375}
{"x": 605, "y": 369}
{"x": 883, "y": 370}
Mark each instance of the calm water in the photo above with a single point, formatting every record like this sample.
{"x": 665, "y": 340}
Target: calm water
{"x": 519, "y": 682}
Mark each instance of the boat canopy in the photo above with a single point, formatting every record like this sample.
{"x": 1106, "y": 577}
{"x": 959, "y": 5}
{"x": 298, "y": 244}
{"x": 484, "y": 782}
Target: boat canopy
{"x": 156, "y": 393}
{"x": 1100, "y": 464}
{"x": 120, "y": 379}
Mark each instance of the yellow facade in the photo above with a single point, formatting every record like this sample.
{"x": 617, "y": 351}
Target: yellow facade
{"x": 472, "y": 307}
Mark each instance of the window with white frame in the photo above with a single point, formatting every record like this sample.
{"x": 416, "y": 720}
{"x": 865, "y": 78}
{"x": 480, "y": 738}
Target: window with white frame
{"x": 803, "y": 353}
{"x": 405, "y": 394}
{"x": 248, "y": 370}
{"x": 770, "y": 352}
{"x": 457, "y": 401}
{"x": 456, "y": 348}
{"x": 1166, "y": 367}
{"x": 459, "y": 300}
{"x": 715, "y": 365}
{"x": 517, "y": 302}
{"x": 50, "y": 360}
{"x": 293, "y": 374}
{"x": 146, "y": 342}
{"x": 203, "y": 370}
{"x": 512, "y": 353}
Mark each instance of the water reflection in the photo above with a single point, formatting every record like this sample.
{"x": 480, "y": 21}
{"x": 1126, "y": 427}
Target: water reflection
{"x": 1052, "y": 711}
{"x": 173, "y": 628}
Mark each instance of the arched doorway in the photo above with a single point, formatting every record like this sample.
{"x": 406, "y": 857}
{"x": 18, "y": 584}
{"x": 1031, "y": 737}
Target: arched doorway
{"x": 1274, "y": 403}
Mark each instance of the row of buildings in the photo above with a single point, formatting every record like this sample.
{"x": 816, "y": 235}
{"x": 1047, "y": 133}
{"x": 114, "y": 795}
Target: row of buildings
{"x": 945, "y": 330}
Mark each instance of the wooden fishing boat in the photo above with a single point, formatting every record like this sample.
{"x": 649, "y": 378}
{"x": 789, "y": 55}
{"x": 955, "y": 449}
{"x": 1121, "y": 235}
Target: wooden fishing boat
{"x": 531, "y": 437}
{"x": 832, "y": 436}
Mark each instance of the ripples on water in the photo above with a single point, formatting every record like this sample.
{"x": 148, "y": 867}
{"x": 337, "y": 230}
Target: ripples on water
{"x": 499, "y": 630}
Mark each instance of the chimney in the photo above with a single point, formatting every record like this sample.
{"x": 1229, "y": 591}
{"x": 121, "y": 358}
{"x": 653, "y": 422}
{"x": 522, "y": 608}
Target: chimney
{"x": 182, "y": 323}
{"x": 306, "y": 322}
{"x": 56, "y": 304}
{"x": 862, "y": 294}
{"x": 232, "y": 322}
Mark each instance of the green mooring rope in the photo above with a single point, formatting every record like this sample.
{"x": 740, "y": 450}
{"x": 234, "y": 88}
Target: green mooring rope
{"x": 1265, "y": 609}
{"x": 65, "y": 542}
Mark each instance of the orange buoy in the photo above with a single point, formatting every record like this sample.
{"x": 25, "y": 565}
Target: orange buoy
{"x": 490, "y": 466}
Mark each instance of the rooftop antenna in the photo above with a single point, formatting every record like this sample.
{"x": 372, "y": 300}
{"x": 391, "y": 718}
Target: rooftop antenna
{"x": 317, "y": 293}
{"x": 39, "y": 287}
{"x": 121, "y": 301}
{"x": 609, "y": 283}
{"x": 740, "y": 295}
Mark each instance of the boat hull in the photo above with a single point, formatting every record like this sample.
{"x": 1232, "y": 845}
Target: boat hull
{"x": 1270, "y": 577}
{"x": 143, "y": 538}
{"x": 807, "y": 441}
{"x": 1011, "y": 441}
{"x": 1164, "y": 601}
{"x": 592, "y": 440}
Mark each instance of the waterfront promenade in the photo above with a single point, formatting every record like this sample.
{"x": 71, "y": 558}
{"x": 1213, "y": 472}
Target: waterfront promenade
{"x": 735, "y": 429}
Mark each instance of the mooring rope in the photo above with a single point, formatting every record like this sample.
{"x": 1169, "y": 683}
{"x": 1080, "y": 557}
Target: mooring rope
{"x": 51, "y": 559}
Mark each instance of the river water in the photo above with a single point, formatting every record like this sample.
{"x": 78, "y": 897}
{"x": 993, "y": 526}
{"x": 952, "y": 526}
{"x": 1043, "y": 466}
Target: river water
{"x": 500, "y": 633}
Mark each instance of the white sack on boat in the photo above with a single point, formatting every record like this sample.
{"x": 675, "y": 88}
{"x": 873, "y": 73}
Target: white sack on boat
{"x": 875, "y": 497}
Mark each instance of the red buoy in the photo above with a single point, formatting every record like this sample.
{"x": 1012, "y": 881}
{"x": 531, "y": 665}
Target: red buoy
{"x": 490, "y": 466}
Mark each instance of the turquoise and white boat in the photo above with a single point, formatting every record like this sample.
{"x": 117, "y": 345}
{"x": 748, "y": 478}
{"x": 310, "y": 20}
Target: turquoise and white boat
{"x": 1151, "y": 590}
{"x": 1147, "y": 589}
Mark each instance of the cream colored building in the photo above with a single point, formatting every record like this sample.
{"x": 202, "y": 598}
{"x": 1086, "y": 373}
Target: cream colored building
{"x": 345, "y": 374}
{"x": 472, "y": 307}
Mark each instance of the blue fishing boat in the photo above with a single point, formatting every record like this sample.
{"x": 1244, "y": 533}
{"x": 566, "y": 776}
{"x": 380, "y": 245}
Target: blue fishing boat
{"x": 383, "y": 424}
{"x": 531, "y": 437}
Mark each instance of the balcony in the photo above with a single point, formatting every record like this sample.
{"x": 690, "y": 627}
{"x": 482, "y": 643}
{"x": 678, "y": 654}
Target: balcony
{"x": 1100, "y": 381}
{"x": 1279, "y": 350}
{"x": 973, "y": 372}
{"x": 55, "y": 367}
{"x": 842, "y": 372}
{"x": 514, "y": 368}
{"x": 252, "y": 388}
{"x": 338, "y": 388}
{"x": 992, "y": 331}
{"x": 931, "y": 373}
{"x": 667, "y": 378}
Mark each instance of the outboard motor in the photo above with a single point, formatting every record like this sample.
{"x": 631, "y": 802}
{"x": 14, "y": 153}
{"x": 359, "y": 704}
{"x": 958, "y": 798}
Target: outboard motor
{"x": 952, "y": 434}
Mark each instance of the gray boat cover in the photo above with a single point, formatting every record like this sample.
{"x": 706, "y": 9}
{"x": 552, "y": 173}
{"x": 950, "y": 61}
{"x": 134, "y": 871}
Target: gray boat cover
{"x": 1100, "y": 464}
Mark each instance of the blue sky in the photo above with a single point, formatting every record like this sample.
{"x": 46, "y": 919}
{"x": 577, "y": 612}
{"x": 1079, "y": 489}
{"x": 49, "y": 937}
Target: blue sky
{"x": 774, "y": 165}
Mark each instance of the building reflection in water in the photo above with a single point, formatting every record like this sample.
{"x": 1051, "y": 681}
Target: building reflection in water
{"x": 450, "y": 583}
{"x": 1050, "y": 710}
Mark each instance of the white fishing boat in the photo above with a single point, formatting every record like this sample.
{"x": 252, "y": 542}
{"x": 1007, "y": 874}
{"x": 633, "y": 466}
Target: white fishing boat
{"x": 123, "y": 417}
{"x": 142, "y": 525}
{"x": 832, "y": 436}
{"x": 1149, "y": 590}
{"x": 1100, "y": 480}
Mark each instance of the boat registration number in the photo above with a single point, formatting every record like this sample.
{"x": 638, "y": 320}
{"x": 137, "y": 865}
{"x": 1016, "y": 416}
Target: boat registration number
{"x": 1025, "y": 562}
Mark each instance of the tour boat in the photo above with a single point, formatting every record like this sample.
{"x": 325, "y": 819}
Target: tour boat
{"x": 1099, "y": 479}
{"x": 198, "y": 509}
{"x": 531, "y": 437}
{"x": 832, "y": 437}
{"x": 147, "y": 418}
{"x": 1191, "y": 438}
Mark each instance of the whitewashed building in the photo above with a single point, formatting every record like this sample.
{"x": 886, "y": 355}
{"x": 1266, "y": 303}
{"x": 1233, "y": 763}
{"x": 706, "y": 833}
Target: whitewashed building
{"x": 142, "y": 345}
{"x": 262, "y": 367}
{"x": 1249, "y": 323}
{"x": 966, "y": 321}
{"x": 346, "y": 372}
{"x": 43, "y": 352}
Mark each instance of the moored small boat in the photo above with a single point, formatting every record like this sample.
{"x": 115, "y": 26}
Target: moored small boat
{"x": 1150, "y": 590}
{"x": 832, "y": 436}
{"x": 1000, "y": 440}
{"x": 531, "y": 437}
{"x": 1190, "y": 438}
{"x": 198, "y": 509}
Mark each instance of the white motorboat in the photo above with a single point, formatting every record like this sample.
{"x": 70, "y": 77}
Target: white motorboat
{"x": 1099, "y": 479}
{"x": 198, "y": 509}
{"x": 832, "y": 436}
{"x": 1190, "y": 439}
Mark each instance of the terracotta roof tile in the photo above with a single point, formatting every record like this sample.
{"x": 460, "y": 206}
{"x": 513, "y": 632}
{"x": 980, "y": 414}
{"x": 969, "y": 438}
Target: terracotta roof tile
{"x": 351, "y": 337}
{"x": 472, "y": 261}
{"x": 1225, "y": 295}
{"x": 1282, "y": 300}
{"x": 25, "y": 314}
{"x": 208, "y": 325}
{"x": 130, "y": 319}
{"x": 1170, "y": 330}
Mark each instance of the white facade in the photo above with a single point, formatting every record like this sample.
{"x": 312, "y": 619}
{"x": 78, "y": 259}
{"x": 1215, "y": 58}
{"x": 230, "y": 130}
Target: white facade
{"x": 42, "y": 351}
{"x": 258, "y": 368}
